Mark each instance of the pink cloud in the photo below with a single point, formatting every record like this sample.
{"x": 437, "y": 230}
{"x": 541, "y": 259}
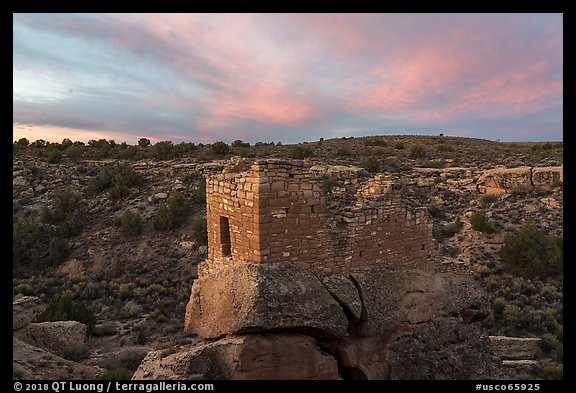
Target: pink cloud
{"x": 299, "y": 71}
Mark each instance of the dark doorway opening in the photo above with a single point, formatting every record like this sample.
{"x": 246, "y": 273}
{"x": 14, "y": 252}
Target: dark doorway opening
{"x": 225, "y": 237}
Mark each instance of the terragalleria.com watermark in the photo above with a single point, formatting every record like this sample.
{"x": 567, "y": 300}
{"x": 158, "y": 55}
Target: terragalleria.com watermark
{"x": 115, "y": 386}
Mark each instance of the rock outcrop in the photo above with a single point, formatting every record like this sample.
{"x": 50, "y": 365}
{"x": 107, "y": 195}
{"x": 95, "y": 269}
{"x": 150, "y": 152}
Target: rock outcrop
{"x": 500, "y": 180}
{"x": 24, "y": 310}
{"x": 32, "y": 363}
{"x": 504, "y": 179}
{"x": 515, "y": 348}
{"x": 279, "y": 321}
{"x": 254, "y": 356}
{"x": 54, "y": 336}
{"x": 443, "y": 348}
{"x": 261, "y": 297}
{"x": 547, "y": 176}
{"x": 37, "y": 347}
{"x": 518, "y": 355}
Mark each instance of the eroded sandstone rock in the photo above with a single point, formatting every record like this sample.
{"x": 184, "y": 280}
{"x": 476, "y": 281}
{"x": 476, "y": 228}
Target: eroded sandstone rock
{"x": 33, "y": 363}
{"x": 548, "y": 176}
{"x": 395, "y": 297}
{"x": 279, "y": 357}
{"x": 55, "y": 337}
{"x": 259, "y": 297}
{"x": 515, "y": 348}
{"x": 504, "y": 179}
{"x": 444, "y": 348}
{"x": 24, "y": 310}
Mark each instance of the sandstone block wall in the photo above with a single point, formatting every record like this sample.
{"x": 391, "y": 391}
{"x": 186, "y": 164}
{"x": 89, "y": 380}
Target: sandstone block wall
{"x": 278, "y": 211}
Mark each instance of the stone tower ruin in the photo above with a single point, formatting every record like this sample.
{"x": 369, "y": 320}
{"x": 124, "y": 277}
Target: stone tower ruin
{"x": 330, "y": 218}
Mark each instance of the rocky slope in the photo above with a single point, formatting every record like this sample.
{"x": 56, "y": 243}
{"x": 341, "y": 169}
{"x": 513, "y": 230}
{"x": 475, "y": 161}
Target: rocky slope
{"x": 138, "y": 285}
{"x": 278, "y": 321}
{"x": 37, "y": 347}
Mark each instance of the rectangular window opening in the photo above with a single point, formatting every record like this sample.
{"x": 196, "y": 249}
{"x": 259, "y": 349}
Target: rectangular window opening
{"x": 225, "y": 237}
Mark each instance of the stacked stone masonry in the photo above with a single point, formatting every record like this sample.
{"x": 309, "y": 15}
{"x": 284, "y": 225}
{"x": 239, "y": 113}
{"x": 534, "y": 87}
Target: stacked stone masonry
{"x": 279, "y": 211}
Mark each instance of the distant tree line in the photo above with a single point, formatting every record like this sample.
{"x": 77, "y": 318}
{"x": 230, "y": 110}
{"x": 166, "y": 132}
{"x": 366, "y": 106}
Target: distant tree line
{"x": 101, "y": 149}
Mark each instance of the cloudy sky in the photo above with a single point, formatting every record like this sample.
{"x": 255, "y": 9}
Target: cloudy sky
{"x": 286, "y": 77}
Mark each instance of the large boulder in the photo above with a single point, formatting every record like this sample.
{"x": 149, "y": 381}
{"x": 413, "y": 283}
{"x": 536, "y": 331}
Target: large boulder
{"x": 278, "y": 357}
{"x": 500, "y": 180}
{"x": 263, "y": 297}
{"x": 444, "y": 348}
{"x": 33, "y": 363}
{"x": 400, "y": 320}
{"x": 55, "y": 337}
{"x": 24, "y": 310}
{"x": 395, "y": 297}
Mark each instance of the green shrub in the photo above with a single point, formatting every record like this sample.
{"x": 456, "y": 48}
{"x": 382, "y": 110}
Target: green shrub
{"x": 301, "y": 152}
{"x": 128, "y": 153}
{"x": 532, "y": 252}
{"x": 66, "y": 212}
{"x": 100, "y": 183}
{"x": 74, "y": 152}
{"x": 512, "y": 315}
{"x": 343, "y": 152}
{"x": 57, "y": 250}
{"x": 104, "y": 330}
{"x": 118, "y": 180}
{"x": 178, "y": 205}
{"x": 66, "y": 203}
{"x": 199, "y": 231}
{"x": 173, "y": 213}
{"x": 164, "y": 150}
{"x": 246, "y": 152}
{"x": 130, "y": 223}
{"x": 24, "y": 289}
{"x": 27, "y": 241}
{"x": 418, "y": 152}
{"x": 103, "y": 152}
{"x": 371, "y": 164}
{"x": 163, "y": 219}
{"x": 23, "y": 142}
{"x": 239, "y": 143}
{"x": 54, "y": 156}
{"x": 481, "y": 223}
{"x": 399, "y": 145}
{"x": 128, "y": 359}
{"x": 142, "y": 337}
{"x": 131, "y": 309}
{"x": 552, "y": 372}
{"x": 220, "y": 148}
{"x": 76, "y": 352}
{"x": 144, "y": 142}
{"x": 63, "y": 308}
{"x": 117, "y": 374}
{"x": 549, "y": 343}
